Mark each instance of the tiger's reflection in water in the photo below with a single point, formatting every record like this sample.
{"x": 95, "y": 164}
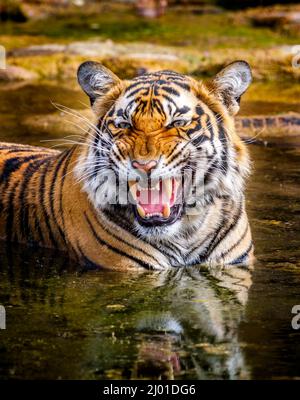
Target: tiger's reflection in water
{"x": 180, "y": 323}
{"x": 200, "y": 330}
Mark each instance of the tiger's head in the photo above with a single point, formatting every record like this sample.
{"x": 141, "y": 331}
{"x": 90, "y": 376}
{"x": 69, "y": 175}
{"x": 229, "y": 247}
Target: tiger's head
{"x": 166, "y": 137}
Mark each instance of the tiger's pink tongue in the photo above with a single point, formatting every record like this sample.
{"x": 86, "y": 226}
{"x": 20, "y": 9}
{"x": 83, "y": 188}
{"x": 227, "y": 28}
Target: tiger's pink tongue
{"x": 152, "y": 208}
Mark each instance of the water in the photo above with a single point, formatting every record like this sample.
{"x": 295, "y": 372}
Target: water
{"x": 64, "y": 323}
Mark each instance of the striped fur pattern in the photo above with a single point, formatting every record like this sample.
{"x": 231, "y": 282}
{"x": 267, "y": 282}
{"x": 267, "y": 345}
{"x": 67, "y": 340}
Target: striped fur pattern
{"x": 72, "y": 201}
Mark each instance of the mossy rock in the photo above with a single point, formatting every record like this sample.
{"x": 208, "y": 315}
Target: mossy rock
{"x": 61, "y": 66}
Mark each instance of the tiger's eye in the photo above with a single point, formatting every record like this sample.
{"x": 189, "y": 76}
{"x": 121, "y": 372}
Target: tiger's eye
{"x": 179, "y": 123}
{"x": 123, "y": 125}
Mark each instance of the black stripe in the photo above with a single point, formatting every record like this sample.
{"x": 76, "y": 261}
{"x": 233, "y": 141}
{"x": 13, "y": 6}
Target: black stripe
{"x": 62, "y": 182}
{"x": 180, "y": 162}
{"x": 172, "y": 150}
{"x": 183, "y": 110}
{"x": 170, "y": 90}
{"x": 224, "y": 229}
{"x": 132, "y": 86}
{"x": 117, "y": 155}
{"x": 199, "y": 111}
{"x": 237, "y": 243}
{"x": 174, "y": 156}
{"x": 24, "y": 224}
{"x": 124, "y": 241}
{"x": 157, "y": 104}
{"x": 203, "y": 256}
{"x": 88, "y": 264}
{"x": 184, "y": 86}
{"x": 42, "y": 203}
{"x": 11, "y": 165}
{"x": 126, "y": 112}
{"x": 166, "y": 97}
{"x": 115, "y": 249}
{"x": 224, "y": 157}
{"x": 111, "y": 111}
{"x": 242, "y": 258}
{"x": 53, "y": 184}
{"x": 130, "y": 94}
{"x": 10, "y": 214}
{"x": 212, "y": 168}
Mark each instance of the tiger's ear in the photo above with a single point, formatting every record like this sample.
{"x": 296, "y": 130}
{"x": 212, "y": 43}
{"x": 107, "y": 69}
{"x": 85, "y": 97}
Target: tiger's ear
{"x": 231, "y": 82}
{"x": 95, "y": 79}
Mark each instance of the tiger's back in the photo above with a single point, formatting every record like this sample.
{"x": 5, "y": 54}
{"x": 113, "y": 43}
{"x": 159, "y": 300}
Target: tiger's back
{"x": 25, "y": 173}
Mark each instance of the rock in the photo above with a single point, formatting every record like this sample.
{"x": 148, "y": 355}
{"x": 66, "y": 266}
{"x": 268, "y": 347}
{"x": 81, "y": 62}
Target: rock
{"x": 280, "y": 129}
{"x": 126, "y": 60}
{"x": 153, "y": 56}
{"x": 289, "y": 49}
{"x": 100, "y": 49}
{"x": 13, "y": 73}
{"x": 35, "y": 11}
{"x": 37, "y": 50}
{"x": 93, "y": 49}
{"x": 275, "y": 18}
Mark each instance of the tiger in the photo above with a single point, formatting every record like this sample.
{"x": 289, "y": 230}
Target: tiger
{"x": 156, "y": 181}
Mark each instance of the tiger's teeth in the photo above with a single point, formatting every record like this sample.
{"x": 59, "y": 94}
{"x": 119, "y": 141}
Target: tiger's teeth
{"x": 131, "y": 183}
{"x": 168, "y": 187}
{"x": 133, "y": 189}
{"x": 166, "y": 210}
{"x": 141, "y": 211}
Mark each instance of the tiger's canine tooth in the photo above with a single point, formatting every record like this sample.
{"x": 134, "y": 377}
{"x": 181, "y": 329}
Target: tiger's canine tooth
{"x": 166, "y": 210}
{"x": 133, "y": 189}
{"x": 141, "y": 211}
{"x": 168, "y": 187}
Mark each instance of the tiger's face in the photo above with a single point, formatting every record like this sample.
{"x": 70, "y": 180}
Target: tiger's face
{"x": 165, "y": 144}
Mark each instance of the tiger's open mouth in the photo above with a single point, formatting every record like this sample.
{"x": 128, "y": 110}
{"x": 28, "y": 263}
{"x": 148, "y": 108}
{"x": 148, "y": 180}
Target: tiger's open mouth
{"x": 156, "y": 202}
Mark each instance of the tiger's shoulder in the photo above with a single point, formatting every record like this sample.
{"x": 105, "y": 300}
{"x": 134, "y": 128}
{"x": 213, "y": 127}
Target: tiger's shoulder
{"x": 14, "y": 158}
{"x": 11, "y": 148}
{"x": 13, "y": 155}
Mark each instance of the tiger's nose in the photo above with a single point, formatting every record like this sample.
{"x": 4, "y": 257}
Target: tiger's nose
{"x": 146, "y": 167}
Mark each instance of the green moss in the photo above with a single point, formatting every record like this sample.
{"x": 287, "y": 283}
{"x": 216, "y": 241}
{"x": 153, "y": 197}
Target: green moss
{"x": 209, "y": 31}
